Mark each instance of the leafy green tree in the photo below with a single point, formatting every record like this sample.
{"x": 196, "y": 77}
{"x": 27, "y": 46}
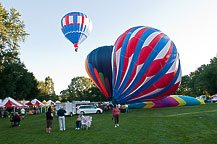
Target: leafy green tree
{"x": 82, "y": 88}
{"x": 17, "y": 82}
{"x": 203, "y": 81}
{"x": 78, "y": 86}
{"x": 12, "y": 31}
{"x": 209, "y": 77}
{"x": 183, "y": 88}
{"x": 49, "y": 86}
{"x": 94, "y": 94}
{"x": 46, "y": 89}
{"x": 65, "y": 96}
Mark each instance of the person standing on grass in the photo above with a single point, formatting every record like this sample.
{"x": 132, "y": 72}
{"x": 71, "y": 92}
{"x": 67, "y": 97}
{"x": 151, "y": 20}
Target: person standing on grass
{"x": 126, "y": 107}
{"x": 22, "y": 113}
{"x": 115, "y": 115}
{"x": 119, "y": 106}
{"x": 16, "y": 119}
{"x": 61, "y": 117}
{"x": 49, "y": 117}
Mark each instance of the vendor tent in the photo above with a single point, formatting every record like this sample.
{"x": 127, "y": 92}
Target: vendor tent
{"x": 50, "y": 102}
{"x": 1, "y": 106}
{"x": 45, "y": 103}
{"x": 37, "y": 103}
{"x": 57, "y": 102}
{"x": 29, "y": 103}
{"x": 10, "y": 103}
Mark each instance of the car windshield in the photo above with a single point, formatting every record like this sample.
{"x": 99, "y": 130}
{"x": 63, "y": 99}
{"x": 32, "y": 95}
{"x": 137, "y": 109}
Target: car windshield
{"x": 87, "y": 107}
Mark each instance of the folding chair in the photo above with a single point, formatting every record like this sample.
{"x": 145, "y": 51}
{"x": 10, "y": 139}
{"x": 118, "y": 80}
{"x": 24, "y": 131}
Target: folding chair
{"x": 86, "y": 122}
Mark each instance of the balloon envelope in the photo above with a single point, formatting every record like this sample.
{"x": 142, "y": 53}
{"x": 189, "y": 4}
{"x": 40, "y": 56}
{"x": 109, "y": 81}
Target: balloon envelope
{"x": 98, "y": 67}
{"x": 76, "y": 27}
{"x": 169, "y": 101}
{"x": 145, "y": 65}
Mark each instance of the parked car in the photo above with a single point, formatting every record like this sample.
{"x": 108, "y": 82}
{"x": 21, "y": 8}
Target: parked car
{"x": 214, "y": 98}
{"x": 86, "y": 109}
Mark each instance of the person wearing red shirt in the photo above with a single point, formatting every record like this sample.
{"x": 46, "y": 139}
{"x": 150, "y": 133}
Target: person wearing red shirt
{"x": 115, "y": 115}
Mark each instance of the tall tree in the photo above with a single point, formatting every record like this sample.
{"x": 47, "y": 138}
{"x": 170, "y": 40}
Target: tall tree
{"x": 49, "y": 85}
{"x": 78, "y": 86}
{"x": 46, "y": 89}
{"x": 12, "y": 31}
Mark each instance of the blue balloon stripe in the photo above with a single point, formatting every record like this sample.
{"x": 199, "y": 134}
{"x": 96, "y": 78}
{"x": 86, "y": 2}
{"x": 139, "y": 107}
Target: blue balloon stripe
{"x": 113, "y": 67}
{"x": 75, "y": 19}
{"x": 156, "y": 77}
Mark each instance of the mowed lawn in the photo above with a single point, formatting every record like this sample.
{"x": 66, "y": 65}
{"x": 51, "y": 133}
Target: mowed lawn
{"x": 188, "y": 124}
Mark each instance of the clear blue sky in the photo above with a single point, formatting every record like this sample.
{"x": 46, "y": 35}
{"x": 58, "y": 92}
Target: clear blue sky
{"x": 191, "y": 24}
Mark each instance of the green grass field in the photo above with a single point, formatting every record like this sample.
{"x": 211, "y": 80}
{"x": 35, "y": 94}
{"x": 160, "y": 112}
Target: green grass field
{"x": 189, "y": 124}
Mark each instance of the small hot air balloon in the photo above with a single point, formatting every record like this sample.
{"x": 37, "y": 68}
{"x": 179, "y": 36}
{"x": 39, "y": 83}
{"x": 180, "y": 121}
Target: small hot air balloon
{"x": 76, "y": 27}
{"x": 145, "y": 65}
{"x": 98, "y": 67}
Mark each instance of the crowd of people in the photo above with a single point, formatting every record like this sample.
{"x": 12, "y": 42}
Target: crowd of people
{"x": 61, "y": 118}
{"x": 9, "y": 112}
{"x": 15, "y": 117}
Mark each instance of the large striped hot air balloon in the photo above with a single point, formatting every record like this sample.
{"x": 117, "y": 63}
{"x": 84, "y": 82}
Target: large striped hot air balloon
{"x": 145, "y": 65}
{"x": 76, "y": 27}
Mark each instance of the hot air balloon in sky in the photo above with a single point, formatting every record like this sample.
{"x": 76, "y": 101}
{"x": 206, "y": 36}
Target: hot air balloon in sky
{"x": 145, "y": 65}
{"x": 98, "y": 67}
{"x": 76, "y": 27}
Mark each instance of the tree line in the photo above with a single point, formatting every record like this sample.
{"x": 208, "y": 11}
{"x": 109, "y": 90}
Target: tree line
{"x": 203, "y": 81}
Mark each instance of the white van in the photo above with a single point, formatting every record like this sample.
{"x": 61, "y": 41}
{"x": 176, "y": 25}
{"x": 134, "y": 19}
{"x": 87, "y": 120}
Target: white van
{"x": 87, "y": 109}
